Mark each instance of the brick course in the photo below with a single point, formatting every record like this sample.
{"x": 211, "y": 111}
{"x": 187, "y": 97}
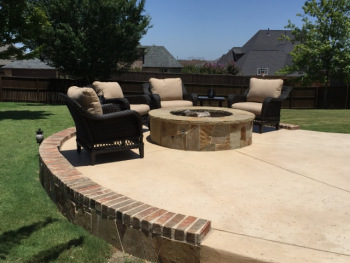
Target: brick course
{"x": 64, "y": 184}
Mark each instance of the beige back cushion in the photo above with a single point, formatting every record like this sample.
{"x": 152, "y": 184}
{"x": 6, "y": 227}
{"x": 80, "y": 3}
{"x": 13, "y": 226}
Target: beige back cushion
{"x": 87, "y": 98}
{"x": 259, "y": 89}
{"x": 167, "y": 89}
{"x": 110, "y": 90}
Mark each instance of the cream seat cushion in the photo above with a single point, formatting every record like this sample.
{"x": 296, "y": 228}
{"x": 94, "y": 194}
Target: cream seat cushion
{"x": 142, "y": 109}
{"x": 259, "y": 89}
{"x": 176, "y": 103}
{"x": 87, "y": 98}
{"x": 167, "y": 89}
{"x": 109, "y": 90}
{"x": 253, "y": 107}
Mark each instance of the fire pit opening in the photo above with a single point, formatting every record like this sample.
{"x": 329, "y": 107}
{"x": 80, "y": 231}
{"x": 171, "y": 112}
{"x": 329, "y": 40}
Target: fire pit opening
{"x": 201, "y": 113}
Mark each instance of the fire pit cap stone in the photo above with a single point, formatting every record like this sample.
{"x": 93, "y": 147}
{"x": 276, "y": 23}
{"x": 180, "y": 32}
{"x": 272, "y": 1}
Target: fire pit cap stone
{"x": 233, "y": 115}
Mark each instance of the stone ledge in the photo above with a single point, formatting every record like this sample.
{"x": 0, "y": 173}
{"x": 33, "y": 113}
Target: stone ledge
{"x": 81, "y": 200}
{"x": 289, "y": 126}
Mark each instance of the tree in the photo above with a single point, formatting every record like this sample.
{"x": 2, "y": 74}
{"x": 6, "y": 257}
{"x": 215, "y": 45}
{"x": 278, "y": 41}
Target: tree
{"x": 323, "y": 49}
{"x": 11, "y": 27}
{"x": 86, "y": 39}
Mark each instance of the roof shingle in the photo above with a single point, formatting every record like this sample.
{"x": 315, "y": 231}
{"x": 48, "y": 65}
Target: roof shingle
{"x": 159, "y": 57}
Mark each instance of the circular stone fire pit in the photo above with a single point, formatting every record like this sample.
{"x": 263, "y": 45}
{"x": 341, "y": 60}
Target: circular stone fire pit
{"x": 201, "y": 129}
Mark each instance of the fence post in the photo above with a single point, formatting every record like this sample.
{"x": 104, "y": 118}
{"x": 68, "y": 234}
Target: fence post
{"x": 0, "y": 88}
{"x": 37, "y": 89}
{"x": 346, "y": 96}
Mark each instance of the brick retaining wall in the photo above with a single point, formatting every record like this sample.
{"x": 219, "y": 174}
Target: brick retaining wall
{"x": 131, "y": 226}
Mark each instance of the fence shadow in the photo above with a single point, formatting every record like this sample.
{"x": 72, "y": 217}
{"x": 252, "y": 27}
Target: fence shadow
{"x": 23, "y": 115}
{"x": 13, "y": 238}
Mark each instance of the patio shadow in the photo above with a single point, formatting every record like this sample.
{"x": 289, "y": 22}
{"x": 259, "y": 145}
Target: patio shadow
{"x": 265, "y": 129}
{"x": 83, "y": 158}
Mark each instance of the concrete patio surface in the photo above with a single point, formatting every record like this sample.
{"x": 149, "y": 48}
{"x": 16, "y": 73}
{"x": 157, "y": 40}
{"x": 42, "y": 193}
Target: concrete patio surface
{"x": 285, "y": 198}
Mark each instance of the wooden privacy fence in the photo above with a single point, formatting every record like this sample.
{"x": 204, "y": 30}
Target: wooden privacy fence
{"x": 26, "y": 89}
{"x": 300, "y": 98}
{"x": 44, "y": 90}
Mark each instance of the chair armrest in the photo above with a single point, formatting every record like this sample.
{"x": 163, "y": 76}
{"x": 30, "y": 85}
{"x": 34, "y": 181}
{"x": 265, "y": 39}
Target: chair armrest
{"x": 194, "y": 98}
{"x": 235, "y": 98}
{"x": 191, "y": 97}
{"x": 116, "y": 115}
{"x": 271, "y": 107}
{"x": 146, "y": 88}
{"x": 155, "y": 101}
{"x": 286, "y": 90}
{"x": 124, "y": 103}
{"x": 138, "y": 99}
{"x": 155, "y": 98}
{"x": 110, "y": 108}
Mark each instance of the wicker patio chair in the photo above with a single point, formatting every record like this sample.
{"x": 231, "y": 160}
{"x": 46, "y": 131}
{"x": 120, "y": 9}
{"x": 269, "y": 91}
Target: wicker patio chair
{"x": 170, "y": 92}
{"x": 112, "y": 131}
{"x": 263, "y": 98}
{"x": 111, "y": 92}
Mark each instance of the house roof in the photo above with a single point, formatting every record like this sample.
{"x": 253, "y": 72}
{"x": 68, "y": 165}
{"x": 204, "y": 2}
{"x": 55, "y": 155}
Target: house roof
{"x": 263, "y": 50}
{"x": 159, "y": 57}
{"x": 28, "y": 64}
{"x": 231, "y": 56}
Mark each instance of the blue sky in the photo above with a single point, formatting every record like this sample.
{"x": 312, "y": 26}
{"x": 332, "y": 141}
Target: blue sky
{"x": 208, "y": 29}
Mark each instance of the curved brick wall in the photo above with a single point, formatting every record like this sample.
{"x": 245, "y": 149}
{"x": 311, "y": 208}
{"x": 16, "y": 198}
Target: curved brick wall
{"x": 131, "y": 226}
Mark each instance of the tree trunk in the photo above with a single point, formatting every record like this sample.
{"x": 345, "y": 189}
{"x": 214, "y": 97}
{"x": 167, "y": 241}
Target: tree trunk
{"x": 325, "y": 90}
{"x": 325, "y": 97}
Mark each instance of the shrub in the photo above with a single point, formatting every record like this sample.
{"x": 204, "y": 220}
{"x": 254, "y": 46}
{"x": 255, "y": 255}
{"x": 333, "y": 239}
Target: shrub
{"x": 211, "y": 68}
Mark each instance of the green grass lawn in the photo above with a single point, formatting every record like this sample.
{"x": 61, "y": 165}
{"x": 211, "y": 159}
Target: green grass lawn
{"x": 31, "y": 228}
{"x": 318, "y": 120}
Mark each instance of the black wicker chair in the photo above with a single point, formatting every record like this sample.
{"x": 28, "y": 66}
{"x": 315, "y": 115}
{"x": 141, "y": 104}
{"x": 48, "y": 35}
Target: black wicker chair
{"x": 270, "y": 110}
{"x": 156, "y": 100}
{"x": 113, "y": 131}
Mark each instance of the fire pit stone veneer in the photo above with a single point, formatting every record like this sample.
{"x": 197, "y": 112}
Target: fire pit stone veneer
{"x": 201, "y": 133}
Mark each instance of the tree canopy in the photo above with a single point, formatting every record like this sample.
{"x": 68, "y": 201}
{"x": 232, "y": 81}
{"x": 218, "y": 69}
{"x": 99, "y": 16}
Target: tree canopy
{"x": 322, "y": 51}
{"x": 12, "y": 27}
{"x": 86, "y": 39}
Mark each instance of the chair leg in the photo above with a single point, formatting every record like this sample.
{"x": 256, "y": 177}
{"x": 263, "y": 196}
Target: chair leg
{"x": 141, "y": 150}
{"x": 92, "y": 158}
{"x": 260, "y": 128}
{"x": 277, "y": 126}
